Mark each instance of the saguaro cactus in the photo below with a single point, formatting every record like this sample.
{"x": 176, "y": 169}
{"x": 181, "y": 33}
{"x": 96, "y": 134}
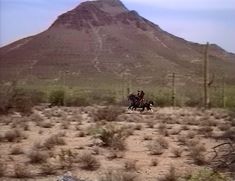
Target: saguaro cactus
{"x": 205, "y": 72}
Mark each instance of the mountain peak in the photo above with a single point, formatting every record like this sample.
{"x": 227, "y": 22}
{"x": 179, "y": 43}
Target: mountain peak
{"x": 91, "y": 13}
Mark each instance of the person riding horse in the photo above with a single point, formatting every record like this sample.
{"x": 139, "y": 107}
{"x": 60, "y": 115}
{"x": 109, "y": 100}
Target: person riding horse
{"x": 140, "y": 96}
{"x": 137, "y": 101}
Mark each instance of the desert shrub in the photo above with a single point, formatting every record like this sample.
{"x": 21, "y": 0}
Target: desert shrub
{"x": 206, "y": 131}
{"x": 88, "y": 162}
{"x": 2, "y": 168}
{"x": 113, "y": 136}
{"x": 20, "y": 171}
{"x": 208, "y": 175}
{"x": 224, "y": 126}
{"x": 229, "y": 134}
{"x": 177, "y": 152}
{"x": 16, "y": 150}
{"x": 102, "y": 97}
{"x": 162, "y": 129}
{"x": 170, "y": 176}
{"x": 182, "y": 139}
{"x": 76, "y": 101}
{"x": 147, "y": 137}
{"x": 154, "y": 162}
{"x": 53, "y": 141}
{"x": 138, "y": 127}
{"x": 130, "y": 165}
{"x": 197, "y": 152}
{"x": 118, "y": 175}
{"x": 20, "y": 99}
{"x": 45, "y": 124}
{"x": 163, "y": 100}
{"x": 150, "y": 124}
{"x": 162, "y": 141}
{"x": 191, "y": 134}
{"x": 57, "y": 98}
{"x": 48, "y": 169}
{"x": 13, "y": 135}
{"x": 108, "y": 113}
{"x": 67, "y": 158}
{"x": 36, "y": 156}
{"x": 155, "y": 148}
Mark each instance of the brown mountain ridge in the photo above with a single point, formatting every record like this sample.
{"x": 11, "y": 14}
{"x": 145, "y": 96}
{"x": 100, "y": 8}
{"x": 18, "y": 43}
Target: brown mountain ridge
{"x": 102, "y": 41}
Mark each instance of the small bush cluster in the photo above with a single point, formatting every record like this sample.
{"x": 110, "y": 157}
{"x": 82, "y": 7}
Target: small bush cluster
{"x": 113, "y": 136}
{"x": 170, "y": 176}
{"x": 155, "y": 148}
{"x": 57, "y": 98}
{"x": 107, "y": 113}
{"x": 37, "y": 156}
{"x": 197, "y": 152}
{"x": 13, "y": 135}
{"x": 20, "y": 171}
{"x": 19, "y": 99}
{"x": 53, "y": 141}
{"x": 208, "y": 175}
{"x": 2, "y": 168}
{"x": 88, "y": 162}
{"x": 67, "y": 158}
{"x": 118, "y": 175}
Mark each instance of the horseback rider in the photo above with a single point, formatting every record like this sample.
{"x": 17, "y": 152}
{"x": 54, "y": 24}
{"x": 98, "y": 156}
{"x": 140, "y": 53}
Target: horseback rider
{"x": 140, "y": 96}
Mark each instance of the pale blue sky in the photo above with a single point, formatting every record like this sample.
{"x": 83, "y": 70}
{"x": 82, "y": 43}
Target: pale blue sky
{"x": 194, "y": 20}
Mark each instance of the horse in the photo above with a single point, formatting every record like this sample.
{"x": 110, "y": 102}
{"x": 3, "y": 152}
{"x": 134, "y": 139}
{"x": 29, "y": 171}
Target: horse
{"x": 135, "y": 103}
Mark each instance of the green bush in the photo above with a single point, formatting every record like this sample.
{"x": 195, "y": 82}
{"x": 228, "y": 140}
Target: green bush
{"x": 76, "y": 101}
{"x": 112, "y": 136}
{"x": 57, "y": 98}
{"x": 19, "y": 99}
{"x": 208, "y": 175}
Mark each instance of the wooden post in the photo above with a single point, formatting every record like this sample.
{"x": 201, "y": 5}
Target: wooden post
{"x": 206, "y": 95}
{"x": 173, "y": 90}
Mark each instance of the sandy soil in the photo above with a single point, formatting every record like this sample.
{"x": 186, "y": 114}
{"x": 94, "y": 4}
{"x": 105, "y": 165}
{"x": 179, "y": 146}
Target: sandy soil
{"x": 182, "y": 129}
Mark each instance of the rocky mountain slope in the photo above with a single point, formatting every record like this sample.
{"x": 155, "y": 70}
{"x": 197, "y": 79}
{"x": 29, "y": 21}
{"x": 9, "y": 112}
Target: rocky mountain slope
{"x": 102, "y": 41}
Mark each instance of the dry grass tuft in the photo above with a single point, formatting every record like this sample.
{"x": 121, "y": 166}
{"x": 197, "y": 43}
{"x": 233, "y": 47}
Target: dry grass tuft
{"x": 155, "y": 148}
{"x": 113, "y": 136}
{"x": 53, "y": 141}
{"x": 16, "y": 150}
{"x": 170, "y": 176}
{"x": 154, "y": 162}
{"x": 48, "y": 169}
{"x": 88, "y": 162}
{"x": 162, "y": 141}
{"x": 67, "y": 158}
{"x": 20, "y": 171}
{"x": 177, "y": 152}
{"x": 130, "y": 165}
{"x": 118, "y": 175}
{"x": 206, "y": 131}
{"x": 45, "y": 124}
{"x": 13, "y": 135}
{"x": 197, "y": 152}
{"x": 37, "y": 156}
{"x": 3, "y": 168}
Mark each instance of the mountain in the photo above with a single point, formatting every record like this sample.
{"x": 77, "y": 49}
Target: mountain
{"x": 104, "y": 42}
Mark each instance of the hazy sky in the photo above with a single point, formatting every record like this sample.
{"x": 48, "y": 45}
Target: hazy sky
{"x": 194, "y": 20}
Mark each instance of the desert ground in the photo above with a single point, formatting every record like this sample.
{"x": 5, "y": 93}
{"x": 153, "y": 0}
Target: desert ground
{"x": 112, "y": 144}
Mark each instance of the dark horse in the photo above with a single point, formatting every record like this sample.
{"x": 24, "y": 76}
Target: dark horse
{"x": 135, "y": 103}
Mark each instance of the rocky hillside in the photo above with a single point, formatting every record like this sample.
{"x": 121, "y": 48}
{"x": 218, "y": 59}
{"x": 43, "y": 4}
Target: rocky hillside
{"x": 103, "y": 41}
